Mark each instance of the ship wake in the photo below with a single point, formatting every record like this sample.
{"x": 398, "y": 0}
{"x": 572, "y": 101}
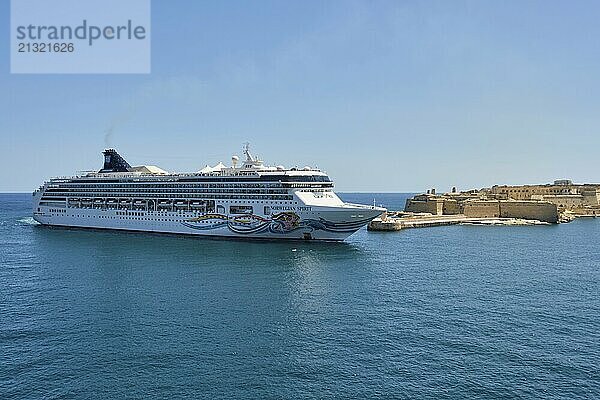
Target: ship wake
{"x": 28, "y": 221}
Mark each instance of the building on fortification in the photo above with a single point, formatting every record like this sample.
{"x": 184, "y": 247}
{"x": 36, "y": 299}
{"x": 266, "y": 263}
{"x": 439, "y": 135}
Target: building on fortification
{"x": 564, "y": 193}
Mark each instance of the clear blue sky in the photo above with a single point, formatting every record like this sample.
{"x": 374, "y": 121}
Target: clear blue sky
{"x": 384, "y": 96}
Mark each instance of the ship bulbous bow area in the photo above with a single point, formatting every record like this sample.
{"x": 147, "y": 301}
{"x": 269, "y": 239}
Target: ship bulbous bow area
{"x": 348, "y": 218}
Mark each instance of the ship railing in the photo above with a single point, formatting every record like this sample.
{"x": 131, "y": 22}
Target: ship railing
{"x": 230, "y": 173}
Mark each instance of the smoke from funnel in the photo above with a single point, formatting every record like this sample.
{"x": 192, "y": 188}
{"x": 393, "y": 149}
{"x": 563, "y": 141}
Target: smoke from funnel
{"x": 176, "y": 89}
{"x": 115, "y": 123}
{"x": 108, "y": 136}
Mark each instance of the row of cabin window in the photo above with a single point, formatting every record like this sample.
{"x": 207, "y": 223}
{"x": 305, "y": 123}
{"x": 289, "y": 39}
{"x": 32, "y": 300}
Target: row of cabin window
{"x": 173, "y": 186}
{"x": 243, "y": 191}
{"x": 221, "y": 209}
{"x": 176, "y": 196}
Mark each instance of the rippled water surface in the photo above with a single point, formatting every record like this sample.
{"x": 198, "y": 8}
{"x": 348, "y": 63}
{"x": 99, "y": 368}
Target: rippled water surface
{"x": 449, "y": 312}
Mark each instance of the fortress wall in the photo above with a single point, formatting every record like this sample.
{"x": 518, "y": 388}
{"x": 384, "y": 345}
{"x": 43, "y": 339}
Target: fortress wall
{"x": 591, "y": 197}
{"x": 481, "y": 209}
{"x": 523, "y": 209}
{"x": 541, "y": 211}
{"x": 434, "y": 207}
{"x": 568, "y": 202}
{"x": 546, "y": 212}
{"x": 450, "y": 207}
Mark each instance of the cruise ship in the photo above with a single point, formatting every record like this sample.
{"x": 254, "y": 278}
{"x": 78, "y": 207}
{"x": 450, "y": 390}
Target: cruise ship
{"x": 245, "y": 200}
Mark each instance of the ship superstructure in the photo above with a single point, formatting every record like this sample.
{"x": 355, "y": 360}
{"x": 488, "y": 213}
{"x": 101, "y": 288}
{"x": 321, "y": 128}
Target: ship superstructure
{"x": 249, "y": 200}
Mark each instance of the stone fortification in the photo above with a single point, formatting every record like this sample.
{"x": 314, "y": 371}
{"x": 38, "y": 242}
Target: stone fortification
{"x": 549, "y": 203}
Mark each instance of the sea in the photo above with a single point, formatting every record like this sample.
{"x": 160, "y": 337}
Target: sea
{"x": 455, "y": 312}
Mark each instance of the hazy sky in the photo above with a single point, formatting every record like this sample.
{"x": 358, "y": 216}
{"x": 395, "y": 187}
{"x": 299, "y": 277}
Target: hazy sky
{"x": 384, "y": 96}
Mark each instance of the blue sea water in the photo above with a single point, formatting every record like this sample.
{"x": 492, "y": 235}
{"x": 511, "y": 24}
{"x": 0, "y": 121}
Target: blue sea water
{"x": 441, "y": 313}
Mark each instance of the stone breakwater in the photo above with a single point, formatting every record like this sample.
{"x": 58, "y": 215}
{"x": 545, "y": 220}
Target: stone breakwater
{"x": 397, "y": 221}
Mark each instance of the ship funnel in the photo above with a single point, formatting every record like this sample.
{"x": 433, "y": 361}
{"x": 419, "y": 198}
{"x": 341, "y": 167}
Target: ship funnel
{"x": 113, "y": 162}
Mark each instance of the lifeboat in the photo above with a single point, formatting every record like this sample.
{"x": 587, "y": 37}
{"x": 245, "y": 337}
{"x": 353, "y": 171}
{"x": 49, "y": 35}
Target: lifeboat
{"x": 181, "y": 204}
{"x": 139, "y": 204}
{"x": 164, "y": 204}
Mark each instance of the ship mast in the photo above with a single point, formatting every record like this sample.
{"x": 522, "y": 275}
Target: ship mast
{"x": 249, "y": 158}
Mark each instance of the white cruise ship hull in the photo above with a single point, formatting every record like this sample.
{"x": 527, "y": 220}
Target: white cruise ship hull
{"x": 327, "y": 225}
